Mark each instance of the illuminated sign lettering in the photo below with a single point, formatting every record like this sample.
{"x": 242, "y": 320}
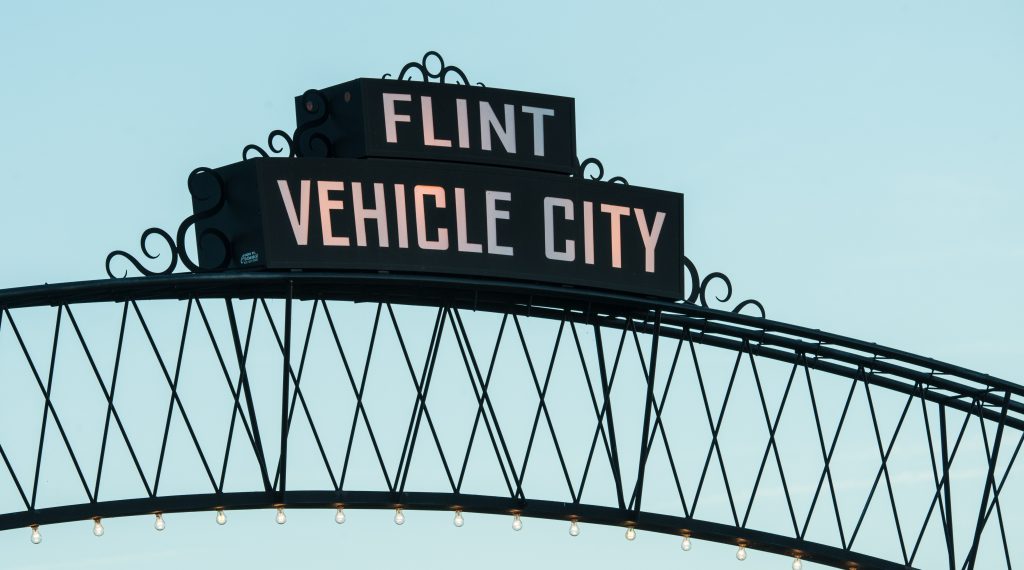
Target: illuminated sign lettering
{"x": 383, "y": 118}
{"x": 442, "y": 179}
{"x": 404, "y": 215}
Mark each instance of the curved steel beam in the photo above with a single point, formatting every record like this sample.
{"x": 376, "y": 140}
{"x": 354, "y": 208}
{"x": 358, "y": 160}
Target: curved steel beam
{"x": 953, "y": 387}
{"x": 553, "y": 510}
{"x": 958, "y": 387}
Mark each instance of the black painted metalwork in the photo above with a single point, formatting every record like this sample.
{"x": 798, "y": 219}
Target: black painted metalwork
{"x": 423, "y": 68}
{"x": 667, "y": 343}
{"x": 286, "y": 150}
{"x": 311, "y": 140}
{"x": 638, "y": 461}
{"x": 178, "y": 251}
{"x": 312, "y": 136}
{"x": 699, "y": 289}
{"x": 581, "y": 171}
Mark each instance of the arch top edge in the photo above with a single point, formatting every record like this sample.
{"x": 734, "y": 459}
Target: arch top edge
{"x": 474, "y": 293}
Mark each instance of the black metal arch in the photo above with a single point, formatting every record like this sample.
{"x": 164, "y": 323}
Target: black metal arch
{"x": 955, "y": 398}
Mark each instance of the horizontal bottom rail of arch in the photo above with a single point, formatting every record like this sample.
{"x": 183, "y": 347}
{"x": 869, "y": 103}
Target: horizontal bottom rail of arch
{"x": 554, "y": 510}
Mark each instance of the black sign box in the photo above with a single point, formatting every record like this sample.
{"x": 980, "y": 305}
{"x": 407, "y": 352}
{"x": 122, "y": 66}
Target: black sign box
{"x": 388, "y": 118}
{"x": 414, "y": 216}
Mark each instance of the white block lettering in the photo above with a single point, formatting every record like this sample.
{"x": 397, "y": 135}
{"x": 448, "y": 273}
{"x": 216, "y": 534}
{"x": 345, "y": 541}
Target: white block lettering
{"x": 616, "y": 212}
{"x": 650, "y": 236}
{"x": 378, "y": 214}
{"x": 437, "y": 192}
{"x": 403, "y": 223}
{"x": 588, "y": 232}
{"x": 460, "y": 224}
{"x": 489, "y": 121}
{"x": 300, "y": 220}
{"x": 391, "y": 117}
{"x": 569, "y": 254}
{"x": 462, "y": 118}
{"x": 493, "y": 215}
{"x": 538, "y": 126}
{"x": 428, "y": 124}
{"x": 326, "y": 206}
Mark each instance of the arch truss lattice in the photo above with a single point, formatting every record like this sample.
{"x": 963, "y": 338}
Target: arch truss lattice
{"x": 195, "y": 392}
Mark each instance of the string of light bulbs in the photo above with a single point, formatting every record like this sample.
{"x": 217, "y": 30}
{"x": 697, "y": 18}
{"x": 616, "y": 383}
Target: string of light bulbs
{"x": 339, "y": 517}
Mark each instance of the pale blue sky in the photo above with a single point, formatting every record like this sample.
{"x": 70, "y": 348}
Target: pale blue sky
{"x": 858, "y": 167}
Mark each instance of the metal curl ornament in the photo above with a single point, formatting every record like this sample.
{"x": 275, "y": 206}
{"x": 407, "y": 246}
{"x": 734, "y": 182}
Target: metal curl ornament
{"x": 177, "y": 246}
{"x": 145, "y": 251}
{"x": 580, "y": 170}
{"x": 288, "y": 150}
{"x": 193, "y": 177}
{"x": 424, "y": 69}
{"x": 698, "y": 289}
{"x": 310, "y": 138}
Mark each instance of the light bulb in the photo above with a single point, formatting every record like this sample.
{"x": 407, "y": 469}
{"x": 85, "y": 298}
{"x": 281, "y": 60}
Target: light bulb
{"x": 741, "y": 554}
{"x": 399, "y": 516}
{"x": 574, "y": 528}
{"x": 797, "y": 564}
{"x": 280, "y": 517}
{"x": 97, "y": 526}
{"x": 159, "y": 524}
{"x": 686, "y": 544}
{"x": 630, "y": 533}
{"x": 517, "y": 523}
{"x": 459, "y": 521}
{"x": 339, "y": 517}
{"x": 222, "y": 518}
{"x": 36, "y": 537}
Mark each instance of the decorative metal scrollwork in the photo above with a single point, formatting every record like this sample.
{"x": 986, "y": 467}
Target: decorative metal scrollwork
{"x": 698, "y": 289}
{"x": 177, "y": 246}
{"x": 314, "y": 133}
{"x": 312, "y": 138}
{"x": 424, "y": 70}
{"x": 289, "y": 146}
{"x": 194, "y": 182}
{"x": 580, "y": 171}
{"x": 316, "y": 130}
{"x": 145, "y": 251}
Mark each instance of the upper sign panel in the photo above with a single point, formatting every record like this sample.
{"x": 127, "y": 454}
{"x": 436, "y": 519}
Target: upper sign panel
{"x": 387, "y": 118}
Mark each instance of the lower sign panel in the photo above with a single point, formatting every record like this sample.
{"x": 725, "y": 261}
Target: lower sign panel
{"x": 411, "y": 216}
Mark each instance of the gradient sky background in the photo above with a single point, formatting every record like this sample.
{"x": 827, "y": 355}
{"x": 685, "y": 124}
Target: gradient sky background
{"x": 858, "y": 167}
